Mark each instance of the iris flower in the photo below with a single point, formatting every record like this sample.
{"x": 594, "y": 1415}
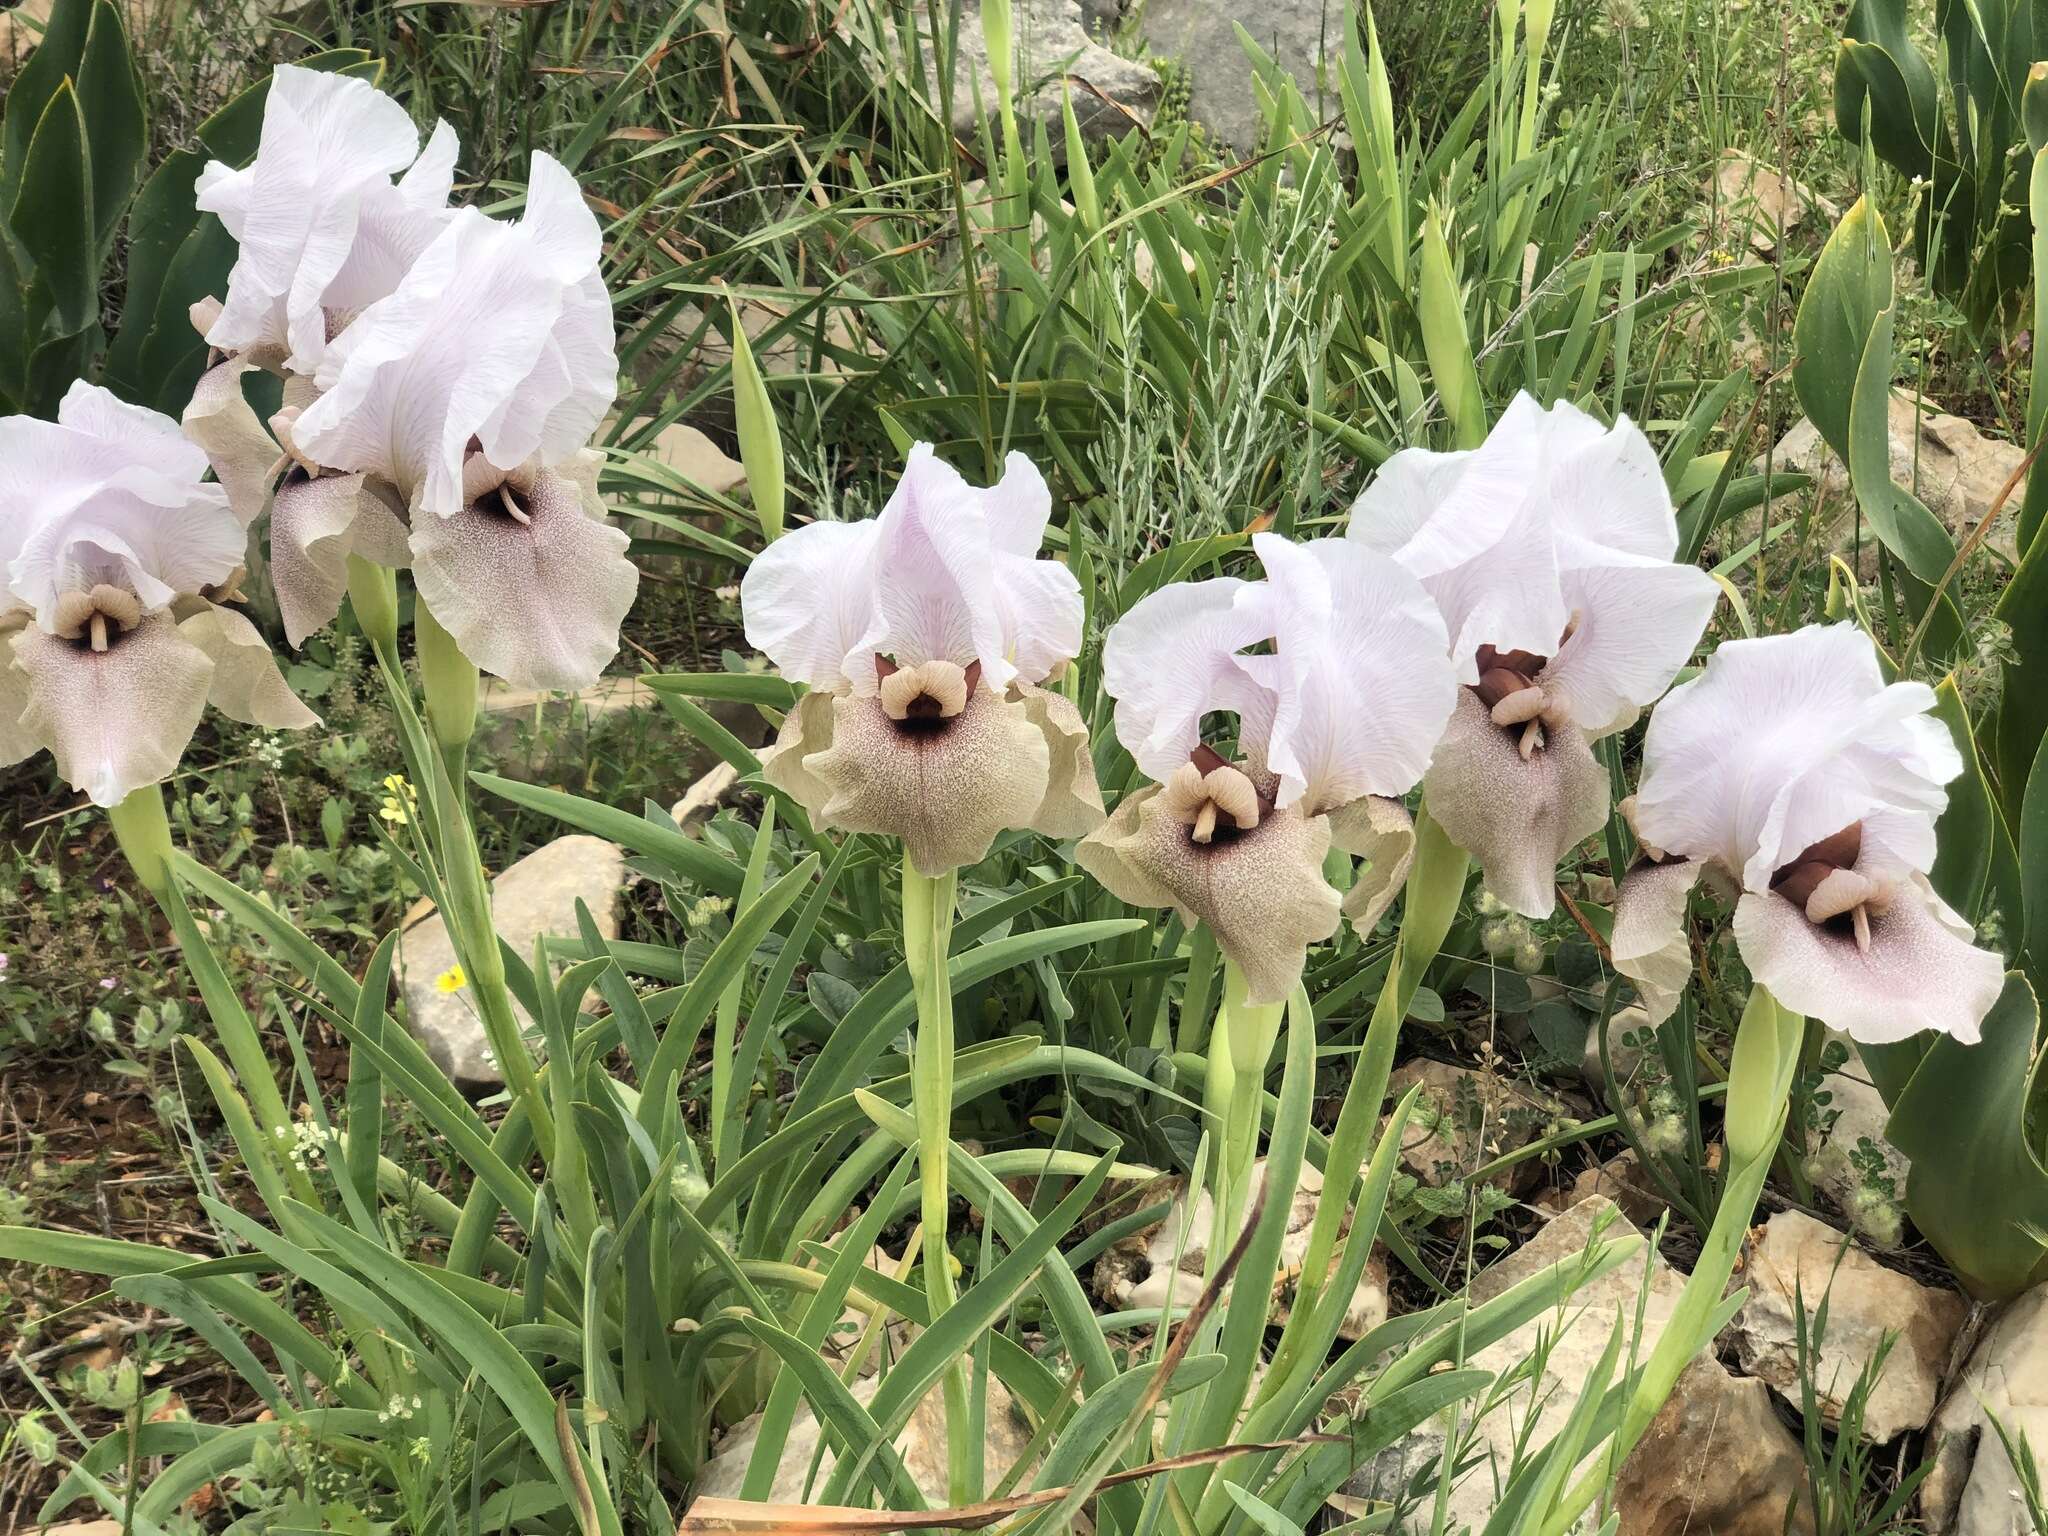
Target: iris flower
{"x": 324, "y": 230}
{"x": 1549, "y": 551}
{"x": 1336, "y": 667}
{"x": 444, "y": 372}
{"x": 924, "y": 634}
{"x": 1790, "y": 773}
{"x": 117, "y": 558}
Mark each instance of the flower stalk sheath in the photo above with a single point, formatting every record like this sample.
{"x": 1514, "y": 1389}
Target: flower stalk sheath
{"x": 927, "y": 939}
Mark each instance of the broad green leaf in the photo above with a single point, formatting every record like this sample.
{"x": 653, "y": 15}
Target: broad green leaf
{"x": 1850, "y": 283}
{"x": 110, "y": 98}
{"x": 52, "y": 216}
{"x": 1978, "y": 1190}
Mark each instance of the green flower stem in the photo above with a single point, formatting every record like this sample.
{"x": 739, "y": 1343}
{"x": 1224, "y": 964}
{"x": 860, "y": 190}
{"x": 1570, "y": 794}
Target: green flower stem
{"x": 1242, "y": 1046}
{"x": 1766, "y": 1058}
{"x": 1436, "y": 884}
{"x": 373, "y": 595}
{"x": 144, "y": 833}
{"x": 449, "y": 679}
{"x": 927, "y": 937}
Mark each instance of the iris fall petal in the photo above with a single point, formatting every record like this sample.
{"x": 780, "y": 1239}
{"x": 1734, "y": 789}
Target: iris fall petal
{"x": 115, "y": 719}
{"x": 1518, "y": 817}
{"x": 537, "y": 602}
{"x": 1918, "y": 973}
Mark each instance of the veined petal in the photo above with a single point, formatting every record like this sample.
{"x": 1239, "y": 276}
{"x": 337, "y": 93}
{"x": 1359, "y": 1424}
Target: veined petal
{"x": 499, "y": 332}
{"x": 1511, "y": 597}
{"x": 108, "y": 492}
{"x": 1038, "y": 604}
{"x": 1402, "y": 496}
{"x": 538, "y": 603}
{"x": 1474, "y": 504}
{"x": 1038, "y": 601}
{"x": 808, "y": 603}
{"x": 946, "y": 793}
{"x": 935, "y": 573}
{"x": 1606, "y": 487}
{"x": 1517, "y": 817}
{"x": 329, "y": 141}
{"x": 245, "y": 457}
{"x": 1360, "y": 672}
{"x": 395, "y": 222}
{"x": 1072, "y": 805}
{"x": 1918, "y": 972}
{"x": 246, "y": 684}
{"x": 1173, "y": 657}
{"x": 1783, "y": 741}
{"x": 315, "y": 525}
{"x": 1637, "y": 621}
{"x": 1649, "y": 944}
{"x": 1261, "y": 892}
{"x": 17, "y": 740}
{"x": 1379, "y": 832}
{"x": 115, "y": 719}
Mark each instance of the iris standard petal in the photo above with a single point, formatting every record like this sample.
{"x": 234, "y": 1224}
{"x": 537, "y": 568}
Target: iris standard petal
{"x": 1359, "y": 670}
{"x": 116, "y": 719}
{"x": 328, "y": 140}
{"x": 1783, "y": 741}
{"x": 1634, "y": 623}
{"x": 1518, "y": 817}
{"x": 1261, "y": 892}
{"x": 935, "y": 573}
{"x": 808, "y": 602}
{"x": 1173, "y": 658}
{"x": 946, "y": 788}
{"x": 536, "y": 600}
{"x": 315, "y": 525}
{"x": 245, "y": 457}
{"x": 1402, "y": 495}
{"x": 1918, "y": 972}
{"x": 1650, "y": 945}
{"x": 246, "y": 684}
{"x": 500, "y": 332}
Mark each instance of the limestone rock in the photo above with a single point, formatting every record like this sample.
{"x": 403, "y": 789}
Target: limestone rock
{"x": 1298, "y": 34}
{"x": 701, "y": 800}
{"x": 694, "y": 456}
{"x": 921, "y": 1444}
{"x": 1755, "y": 203}
{"x": 1796, "y": 1255}
{"x": 1944, "y": 460}
{"x": 1742, "y": 1488}
{"x": 1466, "y": 1118}
{"x": 1624, "y": 1025}
{"x": 1111, "y": 94}
{"x": 1620, "y": 1179}
{"x": 534, "y": 896}
{"x": 1715, "y": 1460}
{"x": 1973, "y": 1490}
{"x": 1158, "y": 1280}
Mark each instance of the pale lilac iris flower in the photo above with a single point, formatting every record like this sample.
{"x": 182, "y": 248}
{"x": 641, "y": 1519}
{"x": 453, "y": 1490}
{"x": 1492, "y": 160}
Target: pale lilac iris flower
{"x": 1337, "y": 670}
{"x": 443, "y": 373}
{"x": 924, "y": 634}
{"x": 469, "y": 395}
{"x": 1793, "y": 776}
{"x": 1550, "y": 552}
{"x": 338, "y": 202}
{"x": 116, "y": 558}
